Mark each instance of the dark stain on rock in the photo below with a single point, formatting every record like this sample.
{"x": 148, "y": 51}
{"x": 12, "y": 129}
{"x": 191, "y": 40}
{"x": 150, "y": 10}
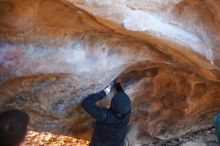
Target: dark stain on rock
{"x": 156, "y": 114}
{"x": 5, "y": 7}
{"x": 170, "y": 99}
{"x": 136, "y": 75}
{"x": 157, "y": 50}
{"x": 199, "y": 90}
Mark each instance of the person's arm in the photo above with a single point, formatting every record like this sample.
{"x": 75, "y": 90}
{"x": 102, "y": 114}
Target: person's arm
{"x": 118, "y": 87}
{"x": 89, "y": 104}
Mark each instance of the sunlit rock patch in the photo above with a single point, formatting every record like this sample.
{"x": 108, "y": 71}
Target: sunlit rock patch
{"x": 48, "y": 139}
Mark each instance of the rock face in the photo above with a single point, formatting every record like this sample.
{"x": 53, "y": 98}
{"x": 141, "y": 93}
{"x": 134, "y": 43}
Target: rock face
{"x": 53, "y": 53}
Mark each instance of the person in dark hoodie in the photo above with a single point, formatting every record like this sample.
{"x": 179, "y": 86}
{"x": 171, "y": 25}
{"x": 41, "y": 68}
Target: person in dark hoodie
{"x": 111, "y": 124}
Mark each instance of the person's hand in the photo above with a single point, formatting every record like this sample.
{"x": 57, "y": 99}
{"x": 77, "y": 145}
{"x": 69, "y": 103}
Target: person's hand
{"x": 108, "y": 89}
{"x": 118, "y": 80}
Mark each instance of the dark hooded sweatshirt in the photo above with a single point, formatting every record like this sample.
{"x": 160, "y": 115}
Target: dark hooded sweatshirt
{"x": 110, "y": 129}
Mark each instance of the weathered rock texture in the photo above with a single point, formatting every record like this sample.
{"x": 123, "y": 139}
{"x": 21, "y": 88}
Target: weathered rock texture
{"x": 53, "y": 54}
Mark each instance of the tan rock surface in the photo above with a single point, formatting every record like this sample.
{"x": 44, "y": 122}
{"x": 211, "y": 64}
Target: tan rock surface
{"x": 53, "y": 54}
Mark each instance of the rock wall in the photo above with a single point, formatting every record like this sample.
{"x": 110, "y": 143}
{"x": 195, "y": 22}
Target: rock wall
{"x": 53, "y": 53}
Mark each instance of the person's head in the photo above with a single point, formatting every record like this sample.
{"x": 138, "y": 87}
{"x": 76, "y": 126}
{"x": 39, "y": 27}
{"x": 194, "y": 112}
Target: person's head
{"x": 13, "y": 127}
{"x": 120, "y": 103}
